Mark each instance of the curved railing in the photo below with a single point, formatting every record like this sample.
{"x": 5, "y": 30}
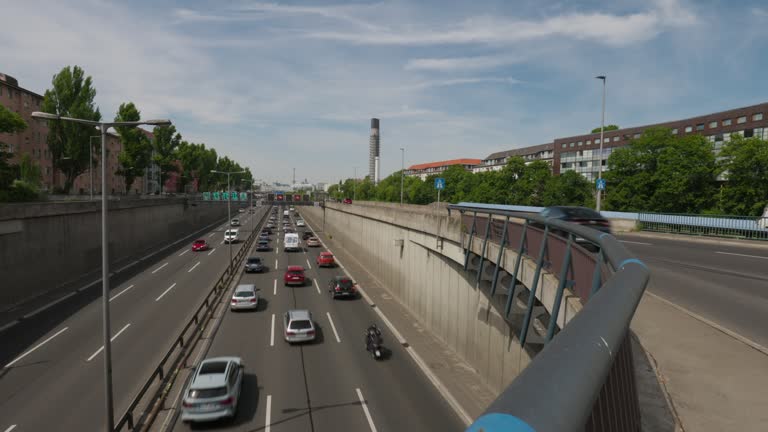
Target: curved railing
{"x": 583, "y": 378}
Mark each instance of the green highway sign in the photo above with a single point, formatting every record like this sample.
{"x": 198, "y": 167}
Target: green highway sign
{"x": 233, "y": 196}
{"x": 243, "y": 196}
{"x": 206, "y": 196}
{"x": 216, "y": 196}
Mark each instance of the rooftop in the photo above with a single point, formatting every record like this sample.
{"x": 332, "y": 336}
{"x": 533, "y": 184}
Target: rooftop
{"x": 522, "y": 151}
{"x": 445, "y": 163}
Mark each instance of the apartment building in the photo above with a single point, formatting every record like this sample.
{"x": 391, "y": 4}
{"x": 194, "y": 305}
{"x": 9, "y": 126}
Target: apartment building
{"x": 426, "y": 169}
{"x": 496, "y": 161}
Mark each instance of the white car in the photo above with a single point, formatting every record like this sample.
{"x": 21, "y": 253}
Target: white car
{"x": 230, "y": 236}
{"x": 235, "y": 222}
{"x": 214, "y": 390}
{"x": 246, "y": 296}
{"x": 300, "y": 223}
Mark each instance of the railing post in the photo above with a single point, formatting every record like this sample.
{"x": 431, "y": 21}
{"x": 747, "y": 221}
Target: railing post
{"x": 513, "y": 283}
{"x": 469, "y": 242}
{"x": 532, "y": 295}
{"x": 130, "y": 420}
{"x": 485, "y": 244}
{"x": 159, "y": 372}
{"x": 502, "y": 244}
{"x": 560, "y": 288}
{"x": 597, "y": 276}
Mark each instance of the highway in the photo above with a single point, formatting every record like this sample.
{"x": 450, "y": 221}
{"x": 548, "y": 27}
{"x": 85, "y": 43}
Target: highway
{"x": 724, "y": 283}
{"x": 55, "y": 382}
{"x": 332, "y": 384}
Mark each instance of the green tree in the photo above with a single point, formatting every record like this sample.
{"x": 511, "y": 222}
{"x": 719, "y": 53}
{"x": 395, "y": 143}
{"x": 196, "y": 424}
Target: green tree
{"x": 569, "y": 188}
{"x": 71, "y": 96}
{"x": 29, "y": 171}
{"x": 529, "y": 187}
{"x": 10, "y": 122}
{"x": 745, "y": 165}
{"x": 165, "y": 142}
{"x": 137, "y": 148}
{"x": 607, "y": 128}
{"x": 661, "y": 172}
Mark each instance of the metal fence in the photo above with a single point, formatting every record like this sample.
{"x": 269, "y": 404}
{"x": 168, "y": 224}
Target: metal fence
{"x": 180, "y": 346}
{"x": 583, "y": 378}
{"x": 742, "y": 227}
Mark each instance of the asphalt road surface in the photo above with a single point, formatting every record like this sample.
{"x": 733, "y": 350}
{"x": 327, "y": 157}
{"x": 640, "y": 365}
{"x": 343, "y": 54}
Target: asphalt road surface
{"x": 53, "y": 380}
{"x": 724, "y": 283}
{"x": 332, "y": 384}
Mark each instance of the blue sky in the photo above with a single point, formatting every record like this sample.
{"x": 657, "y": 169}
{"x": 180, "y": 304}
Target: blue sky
{"x": 278, "y": 85}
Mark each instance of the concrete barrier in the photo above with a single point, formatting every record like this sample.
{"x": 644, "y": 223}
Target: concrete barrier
{"x": 45, "y": 246}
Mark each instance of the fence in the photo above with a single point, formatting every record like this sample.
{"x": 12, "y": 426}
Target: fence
{"x": 583, "y": 378}
{"x": 191, "y": 330}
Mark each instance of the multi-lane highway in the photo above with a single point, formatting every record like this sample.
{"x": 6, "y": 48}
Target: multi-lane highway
{"x": 724, "y": 283}
{"x": 55, "y": 383}
{"x": 332, "y": 384}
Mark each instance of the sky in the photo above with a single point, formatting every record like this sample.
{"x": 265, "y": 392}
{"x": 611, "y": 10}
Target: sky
{"x": 293, "y": 84}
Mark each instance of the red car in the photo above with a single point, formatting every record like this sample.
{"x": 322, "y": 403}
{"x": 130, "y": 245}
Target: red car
{"x": 347, "y": 200}
{"x": 294, "y": 275}
{"x": 200, "y": 245}
{"x": 325, "y": 260}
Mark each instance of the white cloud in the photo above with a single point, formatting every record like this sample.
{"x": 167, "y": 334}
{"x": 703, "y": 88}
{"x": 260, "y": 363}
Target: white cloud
{"x": 459, "y": 81}
{"x": 461, "y": 63}
{"x": 759, "y": 12}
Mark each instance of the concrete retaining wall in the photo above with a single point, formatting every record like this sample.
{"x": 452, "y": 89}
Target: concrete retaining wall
{"x": 47, "y": 245}
{"x": 429, "y": 280}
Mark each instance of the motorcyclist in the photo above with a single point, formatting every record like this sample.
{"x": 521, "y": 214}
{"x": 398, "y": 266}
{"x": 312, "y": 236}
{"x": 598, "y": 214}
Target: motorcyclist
{"x": 372, "y": 336}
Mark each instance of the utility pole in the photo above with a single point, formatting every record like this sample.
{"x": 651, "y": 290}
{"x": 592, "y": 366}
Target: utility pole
{"x": 602, "y": 138}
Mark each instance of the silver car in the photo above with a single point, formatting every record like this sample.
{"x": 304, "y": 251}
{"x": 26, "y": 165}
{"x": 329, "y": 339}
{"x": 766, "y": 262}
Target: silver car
{"x": 298, "y": 326}
{"x": 214, "y": 390}
{"x": 246, "y": 296}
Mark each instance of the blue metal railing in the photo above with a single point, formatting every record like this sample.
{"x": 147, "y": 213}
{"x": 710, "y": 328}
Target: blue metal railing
{"x": 558, "y": 390}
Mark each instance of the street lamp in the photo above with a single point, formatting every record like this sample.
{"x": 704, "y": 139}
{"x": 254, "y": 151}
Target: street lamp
{"x": 229, "y": 210}
{"x": 103, "y": 127}
{"x": 90, "y": 159}
{"x": 600, "y": 160}
{"x": 249, "y": 210}
{"x": 402, "y": 174}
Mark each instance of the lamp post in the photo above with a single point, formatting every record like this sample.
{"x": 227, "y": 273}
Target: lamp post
{"x": 249, "y": 210}
{"x": 600, "y": 160}
{"x": 103, "y": 127}
{"x": 229, "y": 209}
{"x": 402, "y": 173}
{"x": 90, "y": 159}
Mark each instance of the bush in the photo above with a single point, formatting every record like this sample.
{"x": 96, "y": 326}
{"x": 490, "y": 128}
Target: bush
{"x": 18, "y": 192}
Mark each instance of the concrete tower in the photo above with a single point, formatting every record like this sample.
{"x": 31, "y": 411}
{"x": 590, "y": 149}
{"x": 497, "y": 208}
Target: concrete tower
{"x": 373, "y": 151}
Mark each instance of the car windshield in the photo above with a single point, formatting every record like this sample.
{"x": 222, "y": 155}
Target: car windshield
{"x": 254, "y": 260}
{"x": 295, "y": 272}
{"x": 213, "y": 367}
{"x": 301, "y": 324}
{"x": 208, "y": 393}
{"x": 345, "y": 284}
{"x": 581, "y": 213}
{"x": 243, "y": 293}
{"x": 198, "y": 242}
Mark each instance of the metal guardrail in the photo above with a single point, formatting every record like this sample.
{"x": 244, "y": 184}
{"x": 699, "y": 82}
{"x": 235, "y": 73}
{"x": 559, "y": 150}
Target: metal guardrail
{"x": 742, "y": 227}
{"x": 583, "y": 378}
{"x": 202, "y": 313}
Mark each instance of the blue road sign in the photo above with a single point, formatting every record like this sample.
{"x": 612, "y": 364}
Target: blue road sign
{"x": 600, "y": 184}
{"x": 439, "y": 183}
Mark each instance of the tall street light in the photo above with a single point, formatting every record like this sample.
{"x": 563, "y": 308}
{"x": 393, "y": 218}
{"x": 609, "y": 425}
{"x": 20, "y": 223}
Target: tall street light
{"x": 600, "y": 159}
{"x": 103, "y": 127}
{"x": 402, "y": 173}
{"x": 90, "y": 159}
{"x": 249, "y": 210}
{"x": 229, "y": 210}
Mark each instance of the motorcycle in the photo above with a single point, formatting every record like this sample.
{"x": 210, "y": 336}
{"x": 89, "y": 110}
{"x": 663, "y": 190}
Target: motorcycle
{"x": 373, "y": 342}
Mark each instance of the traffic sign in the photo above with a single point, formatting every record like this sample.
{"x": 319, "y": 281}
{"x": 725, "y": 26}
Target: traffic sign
{"x": 439, "y": 183}
{"x": 243, "y": 196}
{"x": 233, "y": 196}
{"x": 216, "y": 196}
{"x": 600, "y": 184}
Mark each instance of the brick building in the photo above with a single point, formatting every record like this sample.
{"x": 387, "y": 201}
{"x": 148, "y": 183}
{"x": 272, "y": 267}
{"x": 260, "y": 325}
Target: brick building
{"x": 426, "y": 169}
{"x": 496, "y": 161}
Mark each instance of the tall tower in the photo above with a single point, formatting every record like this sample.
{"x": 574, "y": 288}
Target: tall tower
{"x": 373, "y": 151}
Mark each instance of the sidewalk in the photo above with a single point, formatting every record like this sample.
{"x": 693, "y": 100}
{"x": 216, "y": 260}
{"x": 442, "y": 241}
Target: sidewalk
{"x": 455, "y": 375}
{"x": 715, "y": 381}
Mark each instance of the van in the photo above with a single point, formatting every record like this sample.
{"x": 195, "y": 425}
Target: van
{"x": 286, "y": 213}
{"x": 230, "y": 236}
{"x": 292, "y": 242}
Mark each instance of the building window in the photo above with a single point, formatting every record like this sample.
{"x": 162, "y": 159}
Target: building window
{"x": 581, "y": 143}
{"x": 749, "y": 133}
{"x": 688, "y": 129}
{"x": 572, "y": 144}
{"x": 564, "y": 145}
{"x": 674, "y": 131}
{"x": 597, "y": 141}
{"x": 636, "y": 136}
{"x": 727, "y": 122}
{"x": 742, "y": 119}
{"x": 712, "y": 125}
{"x": 757, "y": 117}
{"x": 700, "y": 127}
{"x": 615, "y": 139}
{"x": 589, "y": 142}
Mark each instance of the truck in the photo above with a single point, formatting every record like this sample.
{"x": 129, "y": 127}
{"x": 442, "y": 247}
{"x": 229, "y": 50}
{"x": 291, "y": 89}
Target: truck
{"x": 292, "y": 242}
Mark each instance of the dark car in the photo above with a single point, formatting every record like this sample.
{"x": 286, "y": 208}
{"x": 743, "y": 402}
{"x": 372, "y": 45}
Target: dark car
{"x": 578, "y": 215}
{"x": 306, "y": 235}
{"x": 263, "y": 236}
{"x": 254, "y": 264}
{"x": 262, "y": 246}
{"x": 342, "y": 286}
{"x": 267, "y": 230}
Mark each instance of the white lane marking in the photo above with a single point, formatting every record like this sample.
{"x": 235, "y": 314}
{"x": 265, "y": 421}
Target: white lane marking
{"x": 222, "y": 242}
{"x": 743, "y": 255}
{"x": 55, "y": 302}
{"x": 636, "y": 242}
{"x": 211, "y": 234}
{"x": 159, "y": 268}
{"x": 317, "y": 286}
{"x": 364, "y": 404}
{"x": 272, "y": 332}
{"x": 166, "y": 291}
{"x": 121, "y": 293}
{"x": 112, "y": 339}
{"x": 12, "y": 427}
{"x": 212, "y": 251}
{"x": 38, "y": 346}
{"x": 193, "y": 267}
{"x": 333, "y": 327}
{"x": 310, "y": 265}
{"x": 274, "y": 289}
{"x": 275, "y": 263}
{"x": 277, "y": 250}
{"x": 268, "y": 418}
{"x": 184, "y": 252}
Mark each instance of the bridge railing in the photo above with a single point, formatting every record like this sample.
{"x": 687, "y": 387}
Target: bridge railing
{"x": 583, "y": 378}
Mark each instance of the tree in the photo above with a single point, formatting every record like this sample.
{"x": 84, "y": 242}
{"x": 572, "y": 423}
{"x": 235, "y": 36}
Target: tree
{"x": 569, "y": 188}
{"x": 745, "y": 165}
{"x": 607, "y": 128}
{"x": 137, "y": 149}
{"x": 71, "y": 96}
{"x": 10, "y": 122}
{"x": 164, "y": 144}
{"x": 529, "y": 187}
{"x": 661, "y": 172}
